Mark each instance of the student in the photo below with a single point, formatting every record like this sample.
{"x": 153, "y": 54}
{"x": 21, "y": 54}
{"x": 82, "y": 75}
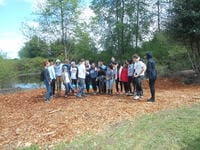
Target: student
{"x": 74, "y": 74}
{"x": 58, "y": 70}
{"x": 47, "y": 81}
{"x": 93, "y": 76}
{"x": 117, "y": 73}
{"x": 81, "y": 78}
{"x": 101, "y": 80}
{"x": 152, "y": 75}
{"x": 87, "y": 79}
{"x": 103, "y": 68}
{"x": 130, "y": 77}
{"x": 66, "y": 80}
{"x": 139, "y": 68}
{"x": 124, "y": 77}
{"x": 52, "y": 76}
{"x": 109, "y": 79}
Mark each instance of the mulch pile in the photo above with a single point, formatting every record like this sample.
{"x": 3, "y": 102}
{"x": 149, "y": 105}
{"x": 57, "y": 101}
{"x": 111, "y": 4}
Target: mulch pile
{"x": 25, "y": 119}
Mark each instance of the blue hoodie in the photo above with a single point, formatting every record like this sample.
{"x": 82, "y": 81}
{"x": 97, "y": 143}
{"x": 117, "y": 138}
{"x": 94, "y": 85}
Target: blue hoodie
{"x": 151, "y": 67}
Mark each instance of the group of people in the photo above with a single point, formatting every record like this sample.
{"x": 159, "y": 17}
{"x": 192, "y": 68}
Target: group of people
{"x": 79, "y": 78}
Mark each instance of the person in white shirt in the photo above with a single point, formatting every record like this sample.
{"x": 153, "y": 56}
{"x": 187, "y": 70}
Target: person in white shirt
{"x": 81, "y": 78}
{"x": 58, "y": 70}
{"x": 52, "y": 76}
{"x": 66, "y": 80}
{"x": 139, "y": 72}
{"x": 74, "y": 74}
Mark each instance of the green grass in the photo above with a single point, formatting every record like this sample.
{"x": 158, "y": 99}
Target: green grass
{"x": 167, "y": 130}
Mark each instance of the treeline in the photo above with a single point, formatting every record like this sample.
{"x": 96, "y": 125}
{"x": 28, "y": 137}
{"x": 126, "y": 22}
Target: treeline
{"x": 119, "y": 28}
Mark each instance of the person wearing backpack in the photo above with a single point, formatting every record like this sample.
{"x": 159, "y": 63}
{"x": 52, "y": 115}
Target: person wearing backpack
{"x": 74, "y": 74}
{"x": 152, "y": 75}
{"x": 47, "y": 80}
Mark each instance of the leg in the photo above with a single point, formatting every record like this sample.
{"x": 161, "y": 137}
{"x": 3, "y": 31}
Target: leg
{"x": 48, "y": 88}
{"x": 152, "y": 88}
{"x": 121, "y": 86}
{"x": 87, "y": 82}
{"x": 117, "y": 85}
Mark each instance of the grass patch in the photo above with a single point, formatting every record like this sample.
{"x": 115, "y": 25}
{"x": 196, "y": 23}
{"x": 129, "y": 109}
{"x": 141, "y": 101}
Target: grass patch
{"x": 173, "y": 129}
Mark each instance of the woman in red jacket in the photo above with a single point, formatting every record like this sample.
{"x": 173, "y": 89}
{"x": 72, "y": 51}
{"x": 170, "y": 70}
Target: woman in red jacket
{"x": 124, "y": 77}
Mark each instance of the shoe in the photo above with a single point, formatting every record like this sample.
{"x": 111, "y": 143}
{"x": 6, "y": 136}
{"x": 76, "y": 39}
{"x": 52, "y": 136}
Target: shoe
{"x": 151, "y": 100}
{"x": 136, "y": 97}
{"x": 141, "y": 96}
{"x": 95, "y": 93}
{"x": 78, "y": 96}
{"x": 66, "y": 96}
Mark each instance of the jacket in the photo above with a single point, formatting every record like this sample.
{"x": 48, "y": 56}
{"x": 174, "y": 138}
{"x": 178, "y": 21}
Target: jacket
{"x": 124, "y": 74}
{"x": 151, "y": 67}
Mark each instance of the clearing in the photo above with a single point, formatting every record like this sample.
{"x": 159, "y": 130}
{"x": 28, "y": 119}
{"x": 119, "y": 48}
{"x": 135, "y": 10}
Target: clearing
{"x": 25, "y": 119}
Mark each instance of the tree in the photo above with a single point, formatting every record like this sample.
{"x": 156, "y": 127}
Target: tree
{"x": 125, "y": 23}
{"x": 57, "y": 18}
{"x": 35, "y": 47}
{"x": 184, "y": 26}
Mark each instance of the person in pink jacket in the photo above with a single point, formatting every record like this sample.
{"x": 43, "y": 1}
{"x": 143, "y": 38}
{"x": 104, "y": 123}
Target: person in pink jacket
{"x": 124, "y": 77}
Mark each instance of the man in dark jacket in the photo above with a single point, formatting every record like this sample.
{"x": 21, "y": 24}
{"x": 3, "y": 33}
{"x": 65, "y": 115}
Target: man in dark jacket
{"x": 152, "y": 75}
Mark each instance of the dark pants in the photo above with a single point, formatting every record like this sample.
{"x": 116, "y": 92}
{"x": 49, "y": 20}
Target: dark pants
{"x": 134, "y": 85}
{"x": 53, "y": 87}
{"x": 117, "y": 83}
{"x": 74, "y": 82}
{"x": 130, "y": 83}
{"x": 101, "y": 84}
{"x": 152, "y": 87}
{"x": 139, "y": 89}
{"x": 125, "y": 86}
{"x": 94, "y": 84}
{"x": 87, "y": 83}
{"x": 67, "y": 88}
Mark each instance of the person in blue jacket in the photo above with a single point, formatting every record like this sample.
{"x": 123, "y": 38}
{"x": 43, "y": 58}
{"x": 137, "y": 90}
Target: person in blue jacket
{"x": 152, "y": 75}
{"x": 93, "y": 76}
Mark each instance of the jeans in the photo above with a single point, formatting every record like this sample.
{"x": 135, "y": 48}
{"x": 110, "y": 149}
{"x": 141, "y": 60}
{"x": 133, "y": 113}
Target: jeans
{"x": 48, "y": 88}
{"x": 67, "y": 88}
{"x": 109, "y": 84}
{"x": 152, "y": 87}
{"x": 81, "y": 83}
{"x": 125, "y": 86}
{"x": 139, "y": 88}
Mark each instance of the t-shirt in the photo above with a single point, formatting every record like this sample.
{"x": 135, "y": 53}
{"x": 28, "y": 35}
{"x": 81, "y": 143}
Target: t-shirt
{"x": 52, "y": 72}
{"x": 65, "y": 77}
{"x": 58, "y": 69}
{"x": 81, "y": 71}
{"x": 138, "y": 68}
{"x": 74, "y": 73}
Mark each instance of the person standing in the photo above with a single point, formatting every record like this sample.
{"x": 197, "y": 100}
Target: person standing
{"x": 74, "y": 74}
{"x": 124, "y": 77}
{"x": 47, "y": 81}
{"x": 87, "y": 78}
{"x": 130, "y": 77}
{"x": 52, "y": 76}
{"x": 152, "y": 75}
{"x": 81, "y": 78}
{"x": 109, "y": 79}
{"x": 93, "y": 76}
{"x": 66, "y": 80}
{"x": 140, "y": 69}
{"x": 58, "y": 70}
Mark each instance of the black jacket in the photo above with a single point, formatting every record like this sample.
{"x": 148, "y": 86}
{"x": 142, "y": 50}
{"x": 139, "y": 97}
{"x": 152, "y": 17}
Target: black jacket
{"x": 151, "y": 67}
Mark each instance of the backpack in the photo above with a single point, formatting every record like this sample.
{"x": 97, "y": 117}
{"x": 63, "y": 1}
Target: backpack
{"x": 42, "y": 75}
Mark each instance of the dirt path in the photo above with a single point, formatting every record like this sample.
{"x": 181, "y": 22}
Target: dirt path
{"x": 25, "y": 119}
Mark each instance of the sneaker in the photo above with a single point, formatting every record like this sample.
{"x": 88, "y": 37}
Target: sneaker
{"x": 78, "y": 96}
{"x": 141, "y": 96}
{"x": 66, "y": 96}
{"x": 95, "y": 93}
{"x": 136, "y": 97}
{"x": 151, "y": 100}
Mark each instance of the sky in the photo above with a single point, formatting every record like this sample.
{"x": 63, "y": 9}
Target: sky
{"x": 12, "y": 14}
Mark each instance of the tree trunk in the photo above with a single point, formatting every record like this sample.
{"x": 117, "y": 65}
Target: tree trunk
{"x": 137, "y": 25}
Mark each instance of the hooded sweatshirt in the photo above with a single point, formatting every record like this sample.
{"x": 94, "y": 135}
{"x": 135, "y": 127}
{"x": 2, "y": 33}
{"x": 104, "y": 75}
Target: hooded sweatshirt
{"x": 151, "y": 69}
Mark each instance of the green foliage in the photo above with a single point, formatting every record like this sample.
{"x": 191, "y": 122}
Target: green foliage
{"x": 36, "y": 47}
{"x": 184, "y": 26}
{"x": 7, "y": 72}
{"x": 172, "y": 129}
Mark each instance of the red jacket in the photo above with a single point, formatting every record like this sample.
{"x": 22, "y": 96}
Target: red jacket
{"x": 124, "y": 75}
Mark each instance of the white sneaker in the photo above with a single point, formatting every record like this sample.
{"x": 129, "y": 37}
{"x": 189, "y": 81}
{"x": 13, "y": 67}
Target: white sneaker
{"x": 136, "y": 97}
